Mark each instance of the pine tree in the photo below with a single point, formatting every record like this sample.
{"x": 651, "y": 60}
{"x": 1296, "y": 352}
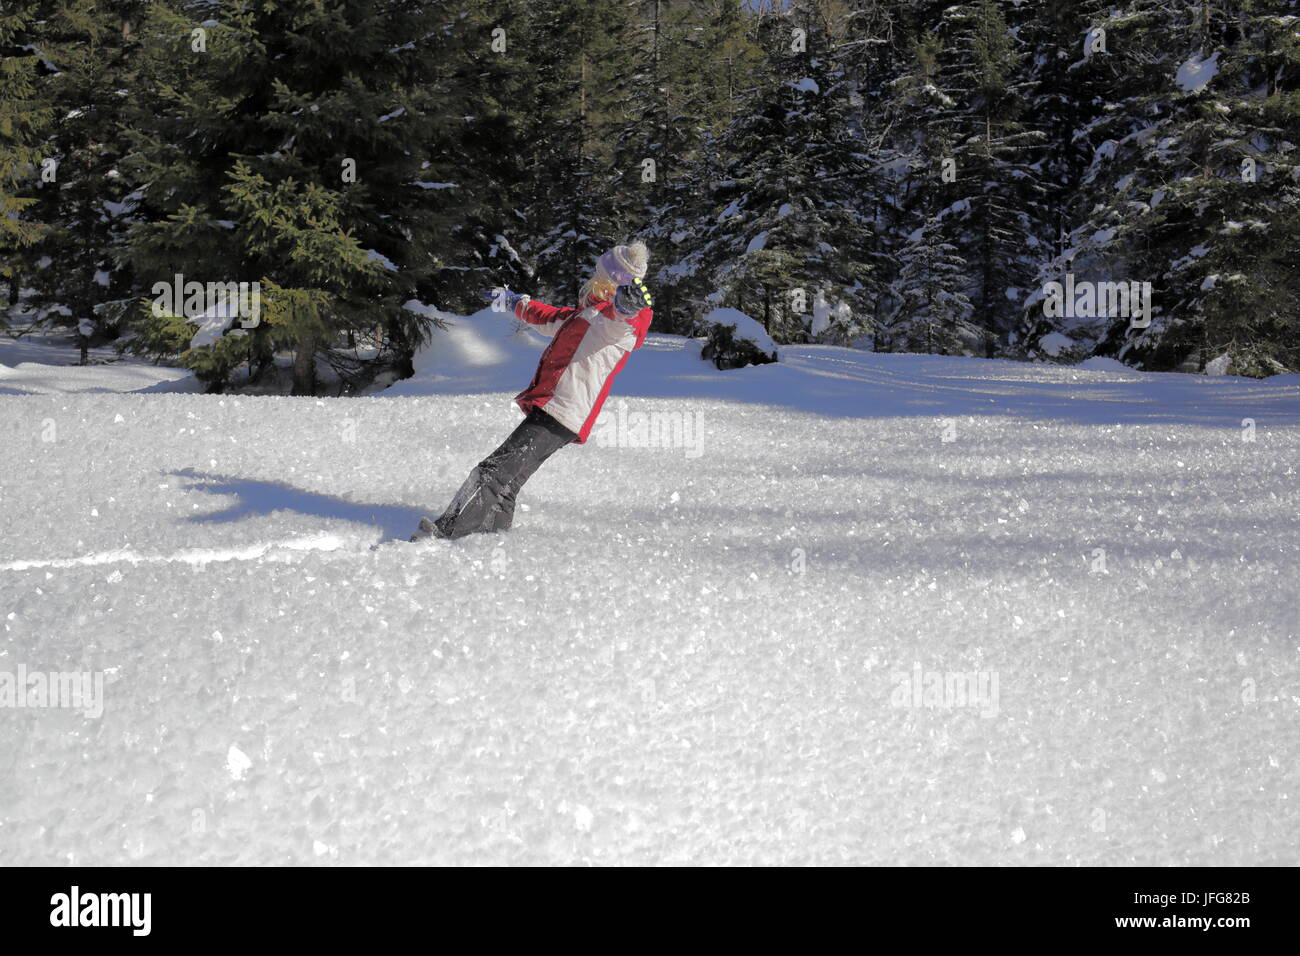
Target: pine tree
{"x": 328, "y": 126}
{"x": 997, "y": 227}
{"x": 1199, "y": 194}
{"x": 22, "y": 120}
{"x": 706, "y": 49}
{"x": 571, "y": 139}
{"x": 85, "y": 201}
{"x": 932, "y": 314}
{"x": 790, "y": 221}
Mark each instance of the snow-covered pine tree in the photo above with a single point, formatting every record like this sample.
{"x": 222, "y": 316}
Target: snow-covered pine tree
{"x": 932, "y": 313}
{"x": 22, "y": 120}
{"x": 1094, "y": 62}
{"x": 493, "y": 187}
{"x": 791, "y": 222}
{"x": 574, "y": 46}
{"x": 329, "y": 125}
{"x": 92, "y": 48}
{"x": 995, "y": 218}
{"x": 1195, "y": 189}
{"x": 707, "y": 54}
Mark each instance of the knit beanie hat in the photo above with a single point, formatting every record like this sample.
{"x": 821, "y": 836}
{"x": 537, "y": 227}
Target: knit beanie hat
{"x": 622, "y": 264}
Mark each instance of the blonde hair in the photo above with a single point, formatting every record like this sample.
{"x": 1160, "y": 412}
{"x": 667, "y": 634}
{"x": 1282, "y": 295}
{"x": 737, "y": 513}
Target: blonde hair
{"x": 598, "y": 288}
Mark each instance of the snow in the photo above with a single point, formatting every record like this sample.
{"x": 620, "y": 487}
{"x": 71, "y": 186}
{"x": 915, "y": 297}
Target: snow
{"x": 377, "y": 256}
{"x": 732, "y": 209}
{"x": 214, "y": 322}
{"x": 669, "y": 659}
{"x": 806, "y": 85}
{"x": 758, "y": 242}
{"x": 1102, "y": 363}
{"x": 1054, "y": 343}
{"x": 1218, "y": 366}
{"x": 745, "y": 326}
{"x": 1197, "y": 72}
{"x": 40, "y": 365}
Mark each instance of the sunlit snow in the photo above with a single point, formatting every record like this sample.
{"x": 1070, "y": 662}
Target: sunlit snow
{"x": 756, "y": 654}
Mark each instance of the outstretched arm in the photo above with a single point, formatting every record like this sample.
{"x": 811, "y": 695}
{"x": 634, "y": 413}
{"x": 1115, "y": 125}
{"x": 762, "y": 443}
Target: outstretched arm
{"x": 546, "y": 319}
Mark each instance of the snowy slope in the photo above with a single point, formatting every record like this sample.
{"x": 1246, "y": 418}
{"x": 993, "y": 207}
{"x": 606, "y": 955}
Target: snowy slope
{"x": 673, "y": 657}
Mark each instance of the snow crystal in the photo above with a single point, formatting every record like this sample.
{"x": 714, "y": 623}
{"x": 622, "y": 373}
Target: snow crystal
{"x": 237, "y": 763}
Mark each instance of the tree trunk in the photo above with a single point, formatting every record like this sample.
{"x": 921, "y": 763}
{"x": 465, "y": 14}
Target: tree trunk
{"x": 304, "y": 365}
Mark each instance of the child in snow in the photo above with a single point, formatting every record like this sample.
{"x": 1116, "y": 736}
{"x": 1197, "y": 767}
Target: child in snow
{"x": 589, "y": 346}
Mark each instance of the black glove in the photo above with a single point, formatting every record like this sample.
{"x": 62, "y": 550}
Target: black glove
{"x": 631, "y": 299}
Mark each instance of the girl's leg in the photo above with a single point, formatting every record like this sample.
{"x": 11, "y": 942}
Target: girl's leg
{"x": 486, "y": 501}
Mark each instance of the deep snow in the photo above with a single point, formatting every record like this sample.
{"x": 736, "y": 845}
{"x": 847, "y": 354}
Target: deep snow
{"x": 701, "y": 653}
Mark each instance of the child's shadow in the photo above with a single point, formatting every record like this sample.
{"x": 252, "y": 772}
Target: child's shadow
{"x": 253, "y": 497}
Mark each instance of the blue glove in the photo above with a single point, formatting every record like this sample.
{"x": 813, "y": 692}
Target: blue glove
{"x": 501, "y": 299}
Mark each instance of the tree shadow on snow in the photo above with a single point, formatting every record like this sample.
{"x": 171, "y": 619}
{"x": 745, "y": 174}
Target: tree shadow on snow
{"x": 254, "y": 497}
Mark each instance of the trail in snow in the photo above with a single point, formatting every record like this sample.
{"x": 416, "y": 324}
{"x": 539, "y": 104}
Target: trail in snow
{"x": 197, "y": 556}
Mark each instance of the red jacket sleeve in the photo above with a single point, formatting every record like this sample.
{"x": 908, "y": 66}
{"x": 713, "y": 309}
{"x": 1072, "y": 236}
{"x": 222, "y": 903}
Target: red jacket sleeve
{"x": 539, "y": 313}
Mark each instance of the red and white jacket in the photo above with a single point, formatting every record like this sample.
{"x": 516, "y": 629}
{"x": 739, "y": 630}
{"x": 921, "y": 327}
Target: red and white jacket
{"x": 588, "y": 348}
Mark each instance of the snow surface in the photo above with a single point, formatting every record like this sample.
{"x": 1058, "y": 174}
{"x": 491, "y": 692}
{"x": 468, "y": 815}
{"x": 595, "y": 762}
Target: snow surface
{"x": 670, "y": 658}
{"x": 40, "y": 365}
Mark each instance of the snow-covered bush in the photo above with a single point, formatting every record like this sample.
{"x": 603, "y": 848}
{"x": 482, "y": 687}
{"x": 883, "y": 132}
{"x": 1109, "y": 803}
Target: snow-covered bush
{"x": 735, "y": 340}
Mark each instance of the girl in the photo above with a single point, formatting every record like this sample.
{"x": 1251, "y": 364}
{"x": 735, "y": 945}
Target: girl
{"x": 589, "y": 346}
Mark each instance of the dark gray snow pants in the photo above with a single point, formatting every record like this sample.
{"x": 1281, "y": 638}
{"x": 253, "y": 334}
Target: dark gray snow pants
{"x": 486, "y": 501}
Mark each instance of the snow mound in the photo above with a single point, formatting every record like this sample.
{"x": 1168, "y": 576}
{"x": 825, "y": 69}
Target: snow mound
{"x": 1103, "y": 363}
{"x": 1054, "y": 343}
{"x": 485, "y": 352}
{"x": 745, "y": 326}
